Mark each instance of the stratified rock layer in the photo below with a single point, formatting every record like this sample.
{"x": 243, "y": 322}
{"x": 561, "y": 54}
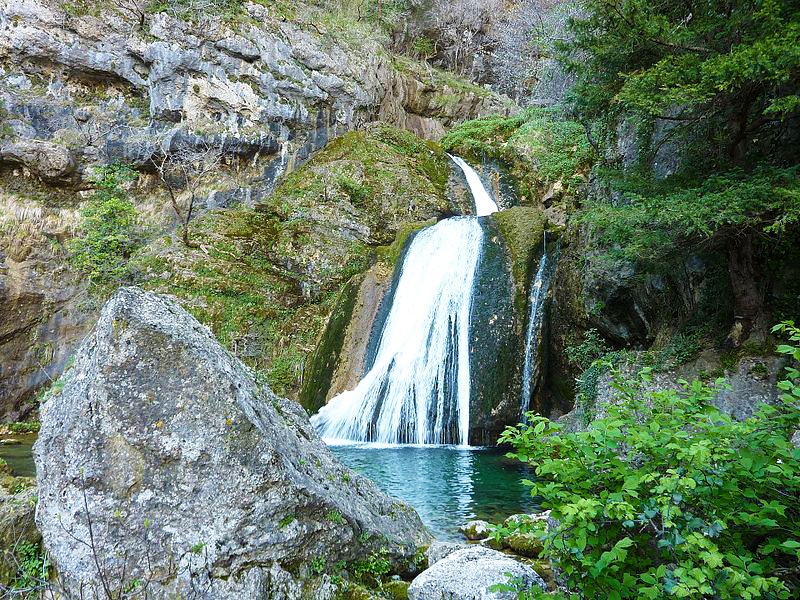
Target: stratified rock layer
{"x": 194, "y": 476}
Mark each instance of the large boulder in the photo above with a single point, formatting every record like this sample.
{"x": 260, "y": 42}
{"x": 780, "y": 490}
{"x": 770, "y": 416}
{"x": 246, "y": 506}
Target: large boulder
{"x": 51, "y": 162}
{"x": 163, "y": 463}
{"x": 470, "y": 574}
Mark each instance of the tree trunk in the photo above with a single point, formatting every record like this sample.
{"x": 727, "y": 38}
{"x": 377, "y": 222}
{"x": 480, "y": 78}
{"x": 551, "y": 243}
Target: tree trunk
{"x": 747, "y": 301}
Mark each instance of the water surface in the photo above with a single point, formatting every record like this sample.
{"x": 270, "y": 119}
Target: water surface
{"x": 447, "y": 485}
{"x": 17, "y": 451}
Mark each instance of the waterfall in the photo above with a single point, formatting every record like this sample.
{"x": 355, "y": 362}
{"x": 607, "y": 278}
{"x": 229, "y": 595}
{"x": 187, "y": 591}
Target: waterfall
{"x": 536, "y": 299}
{"x": 418, "y": 388}
{"x": 484, "y": 205}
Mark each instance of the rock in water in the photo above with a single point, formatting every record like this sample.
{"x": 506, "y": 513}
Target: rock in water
{"x": 471, "y": 574}
{"x": 164, "y": 457}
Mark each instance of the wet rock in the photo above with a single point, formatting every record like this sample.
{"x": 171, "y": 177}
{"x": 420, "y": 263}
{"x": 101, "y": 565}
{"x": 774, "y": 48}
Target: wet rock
{"x": 496, "y": 342}
{"x": 192, "y": 473}
{"x": 469, "y": 574}
{"x": 475, "y": 530}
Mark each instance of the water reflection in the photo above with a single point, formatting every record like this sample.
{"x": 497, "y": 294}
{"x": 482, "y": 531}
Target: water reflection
{"x": 447, "y": 485}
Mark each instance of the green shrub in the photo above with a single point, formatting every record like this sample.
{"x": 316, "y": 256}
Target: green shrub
{"x": 373, "y": 569}
{"x": 424, "y": 46}
{"x": 109, "y": 228}
{"x": 24, "y": 427}
{"x": 32, "y": 566}
{"x": 667, "y": 496}
{"x": 589, "y": 350}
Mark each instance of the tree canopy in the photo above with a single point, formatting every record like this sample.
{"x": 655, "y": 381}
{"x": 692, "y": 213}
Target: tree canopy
{"x": 720, "y": 81}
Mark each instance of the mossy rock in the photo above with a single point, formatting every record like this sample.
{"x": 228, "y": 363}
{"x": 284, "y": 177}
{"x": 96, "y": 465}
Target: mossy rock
{"x": 265, "y": 280}
{"x": 324, "y": 359}
{"x": 524, "y": 544}
{"x": 523, "y": 230}
{"x": 18, "y": 533}
{"x": 396, "y": 589}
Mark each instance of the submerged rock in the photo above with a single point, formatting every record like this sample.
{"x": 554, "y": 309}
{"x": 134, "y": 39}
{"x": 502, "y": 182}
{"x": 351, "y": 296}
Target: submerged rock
{"x": 470, "y": 574}
{"x": 165, "y": 457}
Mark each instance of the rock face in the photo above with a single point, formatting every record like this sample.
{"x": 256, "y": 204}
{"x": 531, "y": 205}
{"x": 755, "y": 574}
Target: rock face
{"x": 750, "y": 383}
{"x": 275, "y": 88}
{"x": 193, "y": 475}
{"x": 46, "y": 160}
{"x": 43, "y": 315}
{"x": 469, "y": 574}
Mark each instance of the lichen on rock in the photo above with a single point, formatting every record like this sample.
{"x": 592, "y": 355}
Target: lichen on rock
{"x": 165, "y": 457}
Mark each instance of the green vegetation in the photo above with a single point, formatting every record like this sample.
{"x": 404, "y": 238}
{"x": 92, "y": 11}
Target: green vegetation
{"x": 32, "y": 566}
{"x": 24, "y": 427}
{"x": 109, "y": 228}
{"x": 372, "y": 569}
{"x": 335, "y": 516}
{"x": 715, "y": 85}
{"x": 539, "y": 147}
{"x": 588, "y": 351}
{"x": 286, "y": 521}
{"x": 667, "y": 496}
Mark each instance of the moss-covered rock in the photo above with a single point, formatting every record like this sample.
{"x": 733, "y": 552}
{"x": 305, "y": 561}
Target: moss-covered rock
{"x": 496, "y": 344}
{"x": 267, "y": 279}
{"x": 396, "y": 589}
{"x": 523, "y": 230}
{"x": 20, "y": 541}
{"x": 524, "y": 544}
{"x": 326, "y": 356}
{"x": 537, "y": 148}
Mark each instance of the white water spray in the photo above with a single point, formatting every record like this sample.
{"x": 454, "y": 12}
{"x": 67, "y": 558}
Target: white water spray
{"x": 418, "y": 389}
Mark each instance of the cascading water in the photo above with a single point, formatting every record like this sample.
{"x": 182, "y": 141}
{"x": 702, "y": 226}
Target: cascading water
{"x": 484, "y": 205}
{"x": 418, "y": 389}
{"x": 536, "y": 300}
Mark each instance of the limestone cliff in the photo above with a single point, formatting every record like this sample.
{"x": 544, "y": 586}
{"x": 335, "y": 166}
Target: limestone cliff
{"x": 85, "y": 84}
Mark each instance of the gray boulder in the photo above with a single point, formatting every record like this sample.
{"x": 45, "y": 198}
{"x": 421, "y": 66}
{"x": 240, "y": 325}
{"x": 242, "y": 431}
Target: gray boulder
{"x": 439, "y": 550}
{"x": 163, "y": 463}
{"x": 469, "y": 575}
{"x": 47, "y": 160}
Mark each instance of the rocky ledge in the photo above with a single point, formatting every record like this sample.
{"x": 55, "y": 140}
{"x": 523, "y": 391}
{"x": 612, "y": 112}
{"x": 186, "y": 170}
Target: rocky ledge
{"x": 164, "y": 464}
